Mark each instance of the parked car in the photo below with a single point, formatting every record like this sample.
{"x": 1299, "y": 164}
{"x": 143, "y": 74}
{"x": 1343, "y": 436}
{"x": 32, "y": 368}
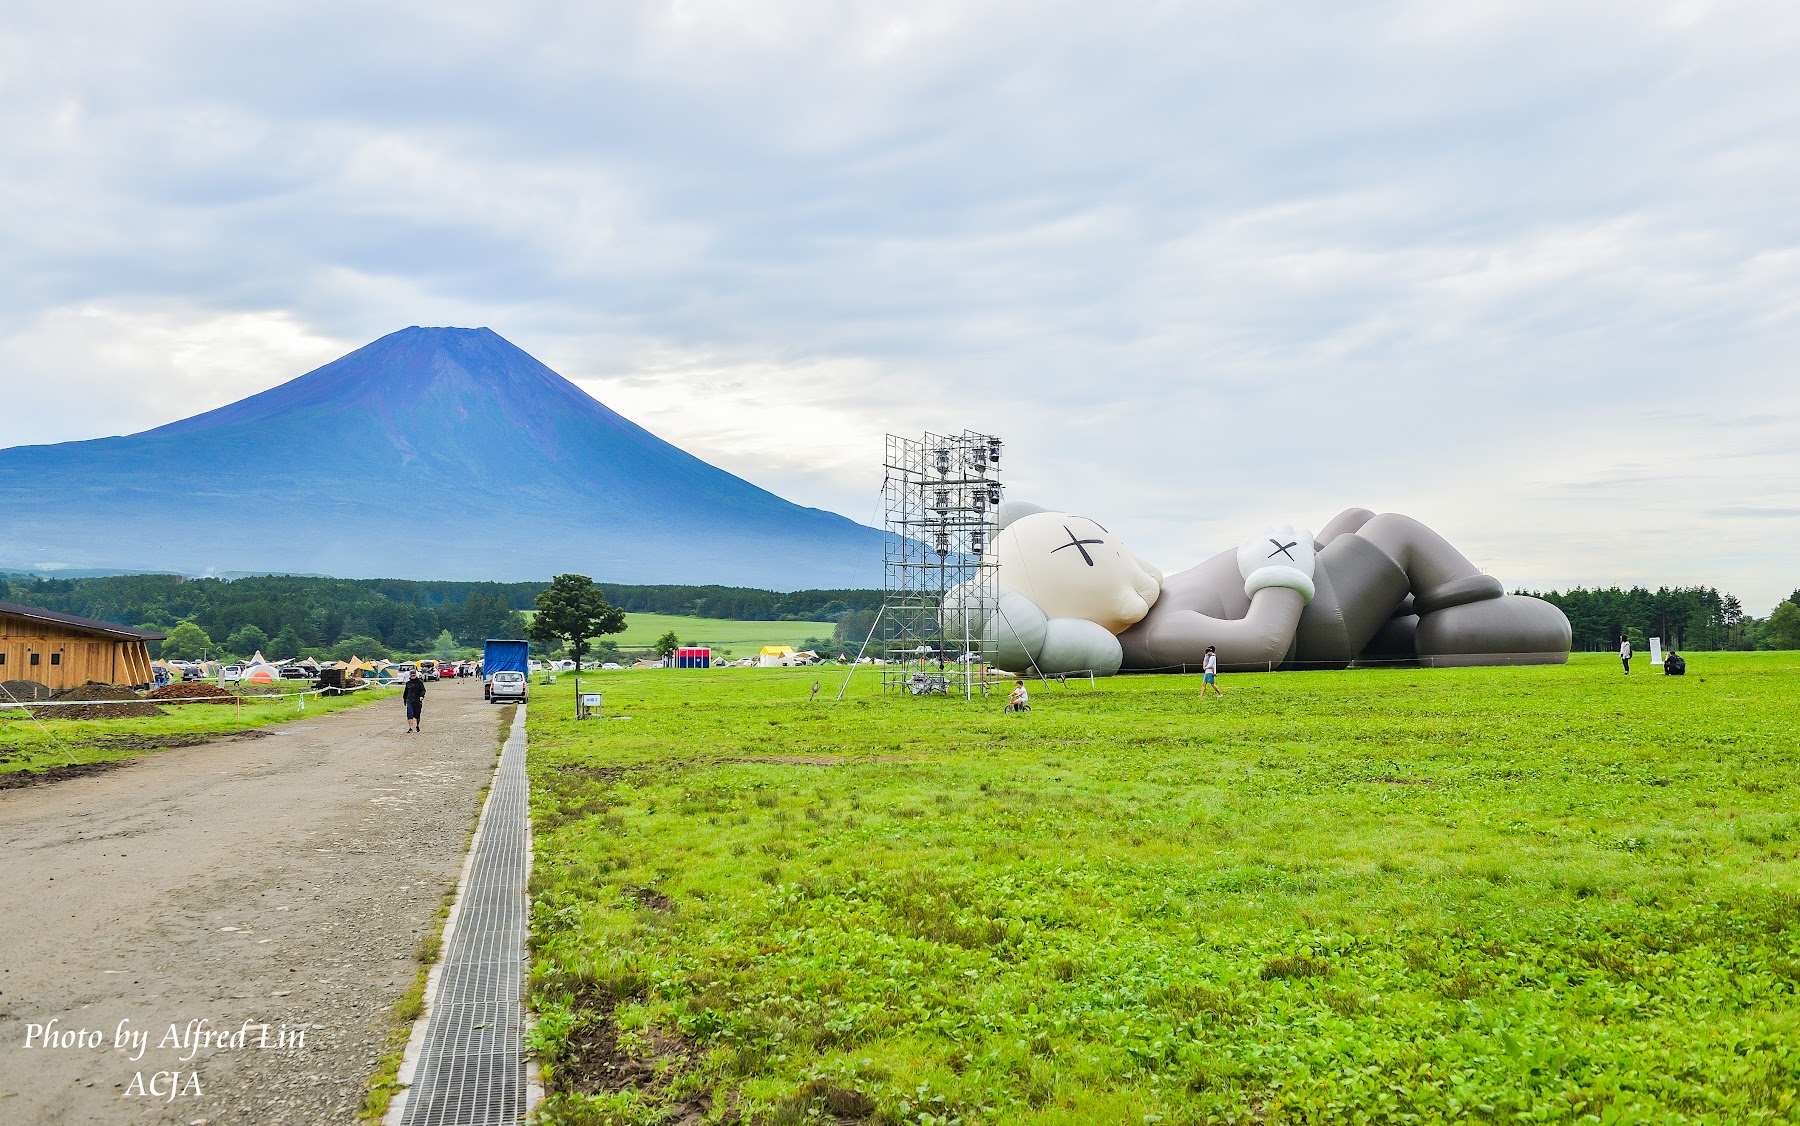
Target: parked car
{"x": 295, "y": 672}
{"x": 612, "y": 665}
{"x": 446, "y": 671}
{"x": 507, "y": 684}
{"x": 230, "y": 674}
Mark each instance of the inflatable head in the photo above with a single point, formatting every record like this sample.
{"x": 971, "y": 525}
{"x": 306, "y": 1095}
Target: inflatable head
{"x": 1072, "y": 567}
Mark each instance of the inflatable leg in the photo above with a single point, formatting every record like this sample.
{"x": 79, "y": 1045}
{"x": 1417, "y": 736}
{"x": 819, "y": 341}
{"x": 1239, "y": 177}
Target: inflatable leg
{"x": 1439, "y": 574}
{"x": 1466, "y": 617}
{"x": 1349, "y": 520}
{"x": 1359, "y": 587}
{"x": 1394, "y": 643}
{"x": 1510, "y": 630}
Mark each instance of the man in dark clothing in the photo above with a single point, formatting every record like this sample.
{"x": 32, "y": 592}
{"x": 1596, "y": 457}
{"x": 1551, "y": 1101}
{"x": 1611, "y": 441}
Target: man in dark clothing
{"x": 414, "y": 695}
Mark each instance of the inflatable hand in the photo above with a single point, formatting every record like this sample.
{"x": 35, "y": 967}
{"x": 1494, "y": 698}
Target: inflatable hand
{"x": 1023, "y": 640}
{"x": 1072, "y": 567}
{"x": 1277, "y": 555}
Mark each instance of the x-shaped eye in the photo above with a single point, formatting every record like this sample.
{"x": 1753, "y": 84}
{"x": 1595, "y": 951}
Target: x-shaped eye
{"x": 1282, "y": 549}
{"x": 1077, "y": 543}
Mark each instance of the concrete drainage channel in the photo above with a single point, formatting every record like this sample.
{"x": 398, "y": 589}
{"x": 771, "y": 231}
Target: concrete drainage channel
{"x": 465, "y": 1063}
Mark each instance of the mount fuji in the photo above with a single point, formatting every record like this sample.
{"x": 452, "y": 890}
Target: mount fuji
{"x": 430, "y": 453}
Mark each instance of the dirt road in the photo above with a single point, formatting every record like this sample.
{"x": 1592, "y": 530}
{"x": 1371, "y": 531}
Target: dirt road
{"x": 276, "y": 889}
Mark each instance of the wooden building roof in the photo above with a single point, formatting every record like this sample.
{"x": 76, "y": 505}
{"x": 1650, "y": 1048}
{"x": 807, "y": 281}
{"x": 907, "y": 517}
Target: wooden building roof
{"x": 79, "y": 624}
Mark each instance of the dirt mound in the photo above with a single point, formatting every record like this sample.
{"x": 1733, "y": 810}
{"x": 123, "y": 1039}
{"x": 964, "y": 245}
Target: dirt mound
{"x": 191, "y": 690}
{"x": 22, "y": 690}
{"x": 110, "y": 702}
{"x": 95, "y": 690}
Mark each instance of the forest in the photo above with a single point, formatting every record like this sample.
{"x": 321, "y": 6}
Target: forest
{"x": 289, "y": 614}
{"x": 1684, "y": 617}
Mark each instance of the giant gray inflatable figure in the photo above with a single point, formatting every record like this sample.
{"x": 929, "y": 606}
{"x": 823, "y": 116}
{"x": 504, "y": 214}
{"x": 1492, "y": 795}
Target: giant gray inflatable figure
{"x": 1370, "y": 589}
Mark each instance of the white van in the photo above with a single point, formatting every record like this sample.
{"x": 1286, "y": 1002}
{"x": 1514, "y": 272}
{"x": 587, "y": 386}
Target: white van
{"x": 507, "y": 684}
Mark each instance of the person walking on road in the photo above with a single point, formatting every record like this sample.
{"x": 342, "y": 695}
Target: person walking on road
{"x": 1625, "y": 653}
{"x": 414, "y": 696}
{"x": 1210, "y": 669}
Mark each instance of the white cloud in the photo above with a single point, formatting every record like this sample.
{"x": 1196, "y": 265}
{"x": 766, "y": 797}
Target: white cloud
{"x": 100, "y": 369}
{"x": 1528, "y": 270}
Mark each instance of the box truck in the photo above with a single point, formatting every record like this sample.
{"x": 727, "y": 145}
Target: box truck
{"x": 510, "y": 658}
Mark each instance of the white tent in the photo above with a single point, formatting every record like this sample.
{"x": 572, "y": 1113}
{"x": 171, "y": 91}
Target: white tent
{"x": 258, "y": 670}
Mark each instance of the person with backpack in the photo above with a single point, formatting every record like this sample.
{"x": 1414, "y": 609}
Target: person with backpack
{"x": 414, "y": 697}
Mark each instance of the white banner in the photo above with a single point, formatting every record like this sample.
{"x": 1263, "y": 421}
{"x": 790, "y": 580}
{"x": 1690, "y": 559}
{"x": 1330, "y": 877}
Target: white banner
{"x": 1656, "y": 650}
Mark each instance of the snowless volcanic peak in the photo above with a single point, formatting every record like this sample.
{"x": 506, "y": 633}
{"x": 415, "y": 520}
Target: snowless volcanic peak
{"x": 429, "y": 453}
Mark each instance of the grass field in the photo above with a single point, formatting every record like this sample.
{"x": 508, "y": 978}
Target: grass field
{"x": 28, "y": 744}
{"x": 733, "y": 638}
{"x": 1525, "y": 895}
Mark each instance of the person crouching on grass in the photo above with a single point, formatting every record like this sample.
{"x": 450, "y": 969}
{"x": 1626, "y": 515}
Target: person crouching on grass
{"x": 1210, "y": 671}
{"x": 1020, "y": 700}
{"x": 414, "y": 697}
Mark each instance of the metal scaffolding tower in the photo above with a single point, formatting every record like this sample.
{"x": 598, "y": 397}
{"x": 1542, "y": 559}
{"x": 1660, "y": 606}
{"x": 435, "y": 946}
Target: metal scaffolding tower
{"x": 940, "y": 495}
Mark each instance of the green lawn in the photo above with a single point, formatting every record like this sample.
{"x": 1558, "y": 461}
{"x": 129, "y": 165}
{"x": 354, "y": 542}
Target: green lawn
{"x": 30, "y": 744}
{"x": 1526, "y": 895}
{"x": 733, "y": 638}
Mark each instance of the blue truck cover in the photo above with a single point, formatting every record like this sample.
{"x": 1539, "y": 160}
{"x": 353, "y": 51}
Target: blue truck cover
{"x": 503, "y": 656}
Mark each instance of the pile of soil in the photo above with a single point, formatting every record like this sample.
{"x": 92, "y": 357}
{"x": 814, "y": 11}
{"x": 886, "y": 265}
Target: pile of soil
{"x": 112, "y": 702}
{"x": 192, "y": 690}
{"x": 21, "y": 690}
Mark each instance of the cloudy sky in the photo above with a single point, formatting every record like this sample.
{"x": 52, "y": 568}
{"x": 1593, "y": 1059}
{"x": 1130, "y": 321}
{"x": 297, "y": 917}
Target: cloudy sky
{"x": 1527, "y": 270}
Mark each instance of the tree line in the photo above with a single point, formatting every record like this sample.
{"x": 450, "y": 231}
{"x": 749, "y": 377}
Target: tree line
{"x": 285, "y": 615}
{"x": 1684, "y": 617}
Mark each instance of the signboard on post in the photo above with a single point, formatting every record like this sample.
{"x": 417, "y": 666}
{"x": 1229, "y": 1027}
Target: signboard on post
{"x": 587, "y": 705}
{"x": 1656, "y": 650}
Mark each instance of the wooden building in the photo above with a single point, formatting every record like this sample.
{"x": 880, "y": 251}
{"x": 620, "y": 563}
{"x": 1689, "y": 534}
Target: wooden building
{"x": 62, "y": 650}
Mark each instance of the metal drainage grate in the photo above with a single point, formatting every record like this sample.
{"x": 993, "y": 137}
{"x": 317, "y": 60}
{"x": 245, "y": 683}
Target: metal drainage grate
{"x": 471, "y": 1067}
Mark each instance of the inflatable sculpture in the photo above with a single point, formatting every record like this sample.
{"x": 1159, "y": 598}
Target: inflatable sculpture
{"x": 1368, "y": 589}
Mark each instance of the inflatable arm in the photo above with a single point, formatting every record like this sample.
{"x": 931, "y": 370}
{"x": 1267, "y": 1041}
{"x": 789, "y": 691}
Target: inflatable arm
{"x": 1252, "y": 630}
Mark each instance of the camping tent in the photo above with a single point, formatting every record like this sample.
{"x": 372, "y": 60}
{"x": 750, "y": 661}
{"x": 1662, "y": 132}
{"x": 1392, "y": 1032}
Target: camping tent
{"x": 356, "y": 666}
{"x": 775, "y": 656}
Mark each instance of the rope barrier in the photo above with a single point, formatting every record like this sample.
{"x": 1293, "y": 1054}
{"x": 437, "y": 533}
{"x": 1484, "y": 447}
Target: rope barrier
{"x": 178, "y": 700}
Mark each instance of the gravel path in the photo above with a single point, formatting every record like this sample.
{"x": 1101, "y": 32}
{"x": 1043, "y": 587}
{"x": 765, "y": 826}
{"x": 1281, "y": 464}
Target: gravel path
{"x": 284, "y": 882}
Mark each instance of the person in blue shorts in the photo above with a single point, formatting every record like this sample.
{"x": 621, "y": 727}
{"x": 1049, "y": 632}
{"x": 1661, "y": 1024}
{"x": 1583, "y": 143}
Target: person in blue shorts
{"x": 1211, "y": 670}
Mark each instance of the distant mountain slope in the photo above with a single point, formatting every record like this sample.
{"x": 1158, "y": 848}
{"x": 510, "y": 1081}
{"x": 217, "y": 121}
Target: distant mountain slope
{"x": 432, "y": 452}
